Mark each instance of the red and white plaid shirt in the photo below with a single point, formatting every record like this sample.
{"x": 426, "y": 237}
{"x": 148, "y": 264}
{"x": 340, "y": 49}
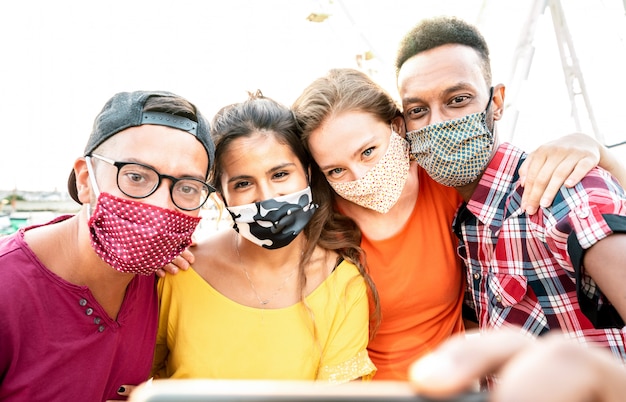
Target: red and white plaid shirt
{"x": 518, "y": 266}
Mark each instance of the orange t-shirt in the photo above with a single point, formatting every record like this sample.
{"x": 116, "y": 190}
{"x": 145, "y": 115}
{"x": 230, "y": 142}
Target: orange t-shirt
{"x": 420, "y": 282}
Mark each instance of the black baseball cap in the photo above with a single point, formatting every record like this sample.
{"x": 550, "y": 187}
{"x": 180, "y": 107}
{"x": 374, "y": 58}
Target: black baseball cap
{"x": 125, "y": 110}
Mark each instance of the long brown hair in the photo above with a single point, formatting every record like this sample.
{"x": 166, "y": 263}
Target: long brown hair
{"x": 327, "y": 228}
{"x": 341, "y": 90}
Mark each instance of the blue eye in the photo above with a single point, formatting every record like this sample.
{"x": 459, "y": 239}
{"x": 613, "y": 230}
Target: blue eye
{"x": 334, "y": 172}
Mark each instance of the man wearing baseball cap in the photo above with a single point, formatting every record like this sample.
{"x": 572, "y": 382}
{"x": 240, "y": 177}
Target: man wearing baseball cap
{"x": 78, "y": 306}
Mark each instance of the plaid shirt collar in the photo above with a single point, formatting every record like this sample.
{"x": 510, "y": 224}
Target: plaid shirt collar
{"x": 499, "y": 194}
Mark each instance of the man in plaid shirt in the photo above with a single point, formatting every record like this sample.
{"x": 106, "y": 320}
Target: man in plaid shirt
{"x": 562, "y": 268}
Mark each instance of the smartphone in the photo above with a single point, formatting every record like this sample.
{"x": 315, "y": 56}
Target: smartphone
{"x": 196, "y": 390}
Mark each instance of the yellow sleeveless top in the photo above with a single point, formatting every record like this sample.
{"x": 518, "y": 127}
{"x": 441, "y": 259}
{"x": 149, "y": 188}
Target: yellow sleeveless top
{"x": 203, "y": 334}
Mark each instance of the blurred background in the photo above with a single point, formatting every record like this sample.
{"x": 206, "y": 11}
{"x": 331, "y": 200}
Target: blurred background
{"x": 63, "y": 59}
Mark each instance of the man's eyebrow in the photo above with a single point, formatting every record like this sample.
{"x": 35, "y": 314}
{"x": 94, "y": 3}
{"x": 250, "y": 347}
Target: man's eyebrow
{"x": 131, "y": 159}
{"x": 411, "y": 99}
{"x": 459, "y": 86}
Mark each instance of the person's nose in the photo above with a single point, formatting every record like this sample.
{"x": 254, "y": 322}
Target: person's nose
{"x": 358, "y": 171}
{"x": 436, "y": 116}
{"x": 161, "y": 196}
{"x": 265, "y": 191}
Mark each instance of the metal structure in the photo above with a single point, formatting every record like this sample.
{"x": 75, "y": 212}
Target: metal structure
{"x": 581, "y": 110}
{"x": 523, "y": 57}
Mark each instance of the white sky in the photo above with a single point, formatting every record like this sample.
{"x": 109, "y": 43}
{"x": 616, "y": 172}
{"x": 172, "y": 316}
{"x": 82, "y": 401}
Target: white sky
{"x": 62, "y": 59}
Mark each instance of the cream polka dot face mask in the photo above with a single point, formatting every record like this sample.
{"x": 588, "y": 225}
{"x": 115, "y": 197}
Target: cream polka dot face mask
{"x": 380, "y": 188}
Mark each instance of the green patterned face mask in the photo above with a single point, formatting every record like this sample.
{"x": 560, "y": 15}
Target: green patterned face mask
{"x": 454, "y": 152}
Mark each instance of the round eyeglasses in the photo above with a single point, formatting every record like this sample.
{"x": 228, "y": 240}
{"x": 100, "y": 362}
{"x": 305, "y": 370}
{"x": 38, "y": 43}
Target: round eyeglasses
{"x": 137, "y": 180}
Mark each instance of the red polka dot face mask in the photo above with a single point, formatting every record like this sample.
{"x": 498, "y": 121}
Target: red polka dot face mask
{"x": 139, "y": 238}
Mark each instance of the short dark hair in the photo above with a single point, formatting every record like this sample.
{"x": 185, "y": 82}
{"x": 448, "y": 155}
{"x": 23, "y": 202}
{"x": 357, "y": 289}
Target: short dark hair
{"x": 173, "y": 105}
{"x": 438, "y": 31}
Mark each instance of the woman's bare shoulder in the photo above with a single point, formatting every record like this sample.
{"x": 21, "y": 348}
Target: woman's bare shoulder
{"x": 212, "y": 249}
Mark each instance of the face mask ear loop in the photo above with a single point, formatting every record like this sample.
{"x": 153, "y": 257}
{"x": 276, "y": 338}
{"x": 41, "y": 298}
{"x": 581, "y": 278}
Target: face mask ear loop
{"x": 490, "y": 98}
{"x": 308, "y": 178}
{"x": 92, "y": 176}
{"x": 92, "y": 179}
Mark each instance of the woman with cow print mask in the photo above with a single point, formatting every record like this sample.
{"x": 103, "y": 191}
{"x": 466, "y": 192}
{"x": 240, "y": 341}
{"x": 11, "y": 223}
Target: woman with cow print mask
{"x": 285, "y": 294}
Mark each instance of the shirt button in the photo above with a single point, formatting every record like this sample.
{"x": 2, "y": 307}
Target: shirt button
{"x": 101, "y": 328}
{"x": 82, "y": 302}
{"x": 499, "y": 298}
{"x": 97, "y": 320}
{"x": 477, "y": 276}
{"x": 583, "y": 213}
{"x": 89, "y": 311}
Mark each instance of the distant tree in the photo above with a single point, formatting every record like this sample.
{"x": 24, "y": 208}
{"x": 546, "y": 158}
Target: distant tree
{"x": 9, "y": 198}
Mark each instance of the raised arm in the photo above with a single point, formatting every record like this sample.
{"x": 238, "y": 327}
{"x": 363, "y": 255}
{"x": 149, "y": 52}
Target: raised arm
{"x": 551, "y": 368}
{"x": 605, "y": 262}
{"x": 564, "y": 161}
